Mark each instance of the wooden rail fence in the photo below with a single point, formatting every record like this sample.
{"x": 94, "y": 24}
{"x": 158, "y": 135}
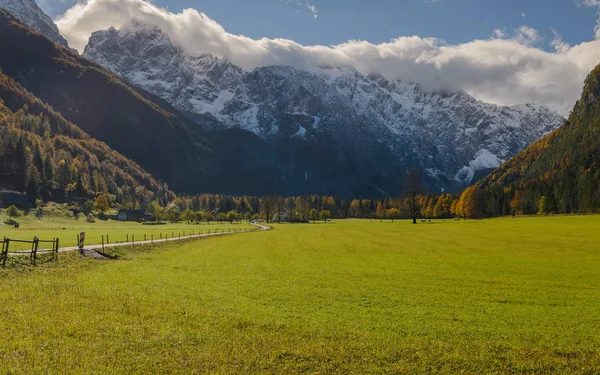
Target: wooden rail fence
{"x": 33, "y": 253}
{"x": 54, "y": 250}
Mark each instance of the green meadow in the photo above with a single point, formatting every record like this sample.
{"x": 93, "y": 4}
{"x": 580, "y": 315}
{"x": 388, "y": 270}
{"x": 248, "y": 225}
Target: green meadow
{"x": 497, "y": 296}
{"x": 67, "y": 230}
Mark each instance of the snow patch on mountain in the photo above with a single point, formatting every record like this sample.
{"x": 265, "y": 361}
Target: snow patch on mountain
{"x": 484, "y": 160}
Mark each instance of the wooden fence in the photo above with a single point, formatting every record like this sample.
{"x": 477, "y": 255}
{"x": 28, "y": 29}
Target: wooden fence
{"x": 131, "y": 240}
{"x": 33, "y": 253}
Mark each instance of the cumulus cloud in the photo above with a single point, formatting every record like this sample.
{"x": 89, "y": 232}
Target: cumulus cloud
{"x": 508, "y": 68}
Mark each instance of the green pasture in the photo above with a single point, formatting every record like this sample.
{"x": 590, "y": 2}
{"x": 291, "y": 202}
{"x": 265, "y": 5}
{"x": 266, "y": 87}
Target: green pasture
{"x": 67, "y": 230}
{"x": 505, "y": 296}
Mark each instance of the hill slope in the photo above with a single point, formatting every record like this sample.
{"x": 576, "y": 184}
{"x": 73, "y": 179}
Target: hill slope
{"x": 559, "y": 173}
{"x": 52, "y": 159}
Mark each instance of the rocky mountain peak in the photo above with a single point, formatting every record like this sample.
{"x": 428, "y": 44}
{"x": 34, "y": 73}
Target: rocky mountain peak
{"x": 30, "y": 14}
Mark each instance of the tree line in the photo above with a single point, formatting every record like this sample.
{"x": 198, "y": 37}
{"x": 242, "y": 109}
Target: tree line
{"x": 298, "y": 209}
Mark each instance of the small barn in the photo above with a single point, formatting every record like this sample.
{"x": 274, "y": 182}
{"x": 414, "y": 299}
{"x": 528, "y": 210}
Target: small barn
{"x": 13, "y": 198}
{"x": 285, "y": 217}
{"x": 132, "y": 215}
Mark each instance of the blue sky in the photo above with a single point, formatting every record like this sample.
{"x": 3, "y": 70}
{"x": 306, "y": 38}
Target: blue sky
{"x": 377, "y": 21}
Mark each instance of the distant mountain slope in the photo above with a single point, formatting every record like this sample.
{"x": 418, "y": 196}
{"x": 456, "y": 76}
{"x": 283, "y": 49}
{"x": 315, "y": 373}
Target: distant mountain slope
{"x": 451, "y": 136}
{"x": 176, "y": 150}
{"x": 99, "y": 103}
{"x": 50, "y": 158}
{"x": 30, "y": 13}
{"x": 559, "y": 173}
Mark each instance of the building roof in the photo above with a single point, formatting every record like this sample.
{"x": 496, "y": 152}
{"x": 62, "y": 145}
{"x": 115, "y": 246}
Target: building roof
{"x": 133, "y": 213}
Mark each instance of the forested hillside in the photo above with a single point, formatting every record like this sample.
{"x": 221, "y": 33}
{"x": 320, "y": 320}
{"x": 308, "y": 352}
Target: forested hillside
{"x": 557, "y": 174}
{"x": 52, "y": 159}
{"x": 99, "y": 102}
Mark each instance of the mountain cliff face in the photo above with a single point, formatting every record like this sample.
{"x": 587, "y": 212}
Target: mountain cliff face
{"x": 453, "y": 137}
{"x": 31, "y": 15}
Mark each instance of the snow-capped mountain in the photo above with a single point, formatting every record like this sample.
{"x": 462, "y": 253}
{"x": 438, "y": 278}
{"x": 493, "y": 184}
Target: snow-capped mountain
{"x": 451, "y": 136}
{"x": 31, "y": 15}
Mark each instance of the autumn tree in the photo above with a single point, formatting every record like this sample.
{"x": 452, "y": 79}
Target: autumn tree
{"x": 442, "y": 208}
{"x": 354, "y": 209}
{"x": 88, "y": 207}
{"x": 155, "y": 210}
{"x": 325, "y": 215}
{"x": 393, "y": 214}
{"x": 314, "y": 215}
{"x": 172, "y": 213}
{"x": 267, "y": 206}
{"x": 542, "y": 205}
{"x": 12, "y": 212}
{"x": 380, "y": 212}
{"x": 472, "y": 202}
{"x": 102, "y": 203}
{"x": 232, "y": 216}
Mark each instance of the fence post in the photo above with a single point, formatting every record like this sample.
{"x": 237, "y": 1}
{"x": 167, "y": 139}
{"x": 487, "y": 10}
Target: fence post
{"x": 132, "y": 239}
{"x": 102, "y": 243}
{"x": 57, "y": 247}
{"x": 144, "y": 237}
{"x": 4, "y": 254}
{"x": 107, "y": 241}
{"x": 127, "y": 238}
{"x": 152, "y": 235}
{"x": 34, "y": 249}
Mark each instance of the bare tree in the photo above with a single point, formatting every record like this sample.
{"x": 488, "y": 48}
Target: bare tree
{"x": 267, "y": 206}
{"x": 412, "y": 187}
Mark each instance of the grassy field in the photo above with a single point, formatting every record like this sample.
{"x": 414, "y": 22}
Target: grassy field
{"x": 67, "y": 230}
{"x": 497, "y": 296}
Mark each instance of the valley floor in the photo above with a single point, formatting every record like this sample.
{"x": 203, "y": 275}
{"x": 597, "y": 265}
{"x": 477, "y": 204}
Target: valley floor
{"x": 494, "y": 296}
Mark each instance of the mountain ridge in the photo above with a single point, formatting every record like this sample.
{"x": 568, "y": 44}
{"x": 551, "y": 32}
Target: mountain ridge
{"x": 30, "y": 14}
{"x": 175, "y": 149}
{"x": 451, "y": 136}
{"x": 559, "y": 173}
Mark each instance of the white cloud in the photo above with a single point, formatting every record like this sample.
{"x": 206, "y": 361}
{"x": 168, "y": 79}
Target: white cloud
{"x": 313, "y": 9}
{"x": 593, "y": 3}
{"x": 527, "y": 36}
{"x": 508, "y": 68}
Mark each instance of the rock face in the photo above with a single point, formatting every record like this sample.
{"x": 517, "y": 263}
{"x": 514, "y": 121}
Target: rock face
{"x": 31, "y": 15}
{"x": 453, "y": 137}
